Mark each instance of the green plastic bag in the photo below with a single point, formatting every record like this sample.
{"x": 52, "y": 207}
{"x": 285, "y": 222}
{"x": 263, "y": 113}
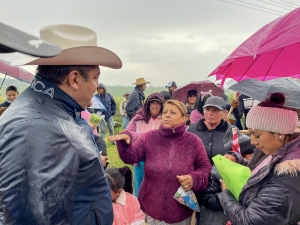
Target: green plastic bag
{"x": 233, "y": 174}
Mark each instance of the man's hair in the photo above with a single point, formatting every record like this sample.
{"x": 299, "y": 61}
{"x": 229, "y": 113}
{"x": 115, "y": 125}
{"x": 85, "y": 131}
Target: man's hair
{"x": 191, "y": 93}
{"x": 11, "y": 88}
{"x": 139, "y": 86}
{"x": 57, "y": 74}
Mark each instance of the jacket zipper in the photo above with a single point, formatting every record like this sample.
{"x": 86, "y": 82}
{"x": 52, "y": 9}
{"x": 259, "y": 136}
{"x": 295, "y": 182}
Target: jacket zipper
{"x": 152, "y": 129}
{"x": 169, "y": 175}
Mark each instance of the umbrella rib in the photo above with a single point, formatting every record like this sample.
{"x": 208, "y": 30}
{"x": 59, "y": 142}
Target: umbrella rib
{"x": 249, "y": 67}
{"x": 3, "y": 80}
{"x": 224, "y": 69}
{"x": 273, "y": 63}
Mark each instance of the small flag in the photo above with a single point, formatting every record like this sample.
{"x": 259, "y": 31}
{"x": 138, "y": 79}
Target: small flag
{"x": 235, "y": 141}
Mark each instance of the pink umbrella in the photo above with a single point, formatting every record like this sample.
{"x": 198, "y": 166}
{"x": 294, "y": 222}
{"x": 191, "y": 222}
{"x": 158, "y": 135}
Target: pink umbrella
{"x": 15, "y": 72}
{"x": 205, "y": 85}
{"x": 272, "y": 52}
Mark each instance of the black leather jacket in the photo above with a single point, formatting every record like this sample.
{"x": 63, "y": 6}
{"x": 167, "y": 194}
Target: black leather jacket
{"x": 272, "y": 195}
{"x": 50, "y": 170}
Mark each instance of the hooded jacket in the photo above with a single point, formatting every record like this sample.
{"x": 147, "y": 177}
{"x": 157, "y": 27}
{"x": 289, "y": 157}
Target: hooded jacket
{"x": 272, "y": 195}
{"x": 142, "y": 121}
{"x": 108, "y": 102}
{"x": 162, "y": 151}
{"x": 51, "y": 172}
{"x": 135, "y": 102}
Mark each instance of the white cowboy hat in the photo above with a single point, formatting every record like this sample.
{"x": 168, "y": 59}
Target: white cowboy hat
{"x": 79, "y": 47}
{"x": 140, "y": 81}
{"x": 14, "y": 40}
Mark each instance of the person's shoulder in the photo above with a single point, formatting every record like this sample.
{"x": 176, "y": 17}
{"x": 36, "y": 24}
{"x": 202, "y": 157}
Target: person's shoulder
{"x": 192, "y": 136}
{"x": 192, "y": 128}
{"x": 136, "y": 117}
{"x": 133, "y": 93}
{"x": 131, "y": 197}
{"x": 110, "y": 95}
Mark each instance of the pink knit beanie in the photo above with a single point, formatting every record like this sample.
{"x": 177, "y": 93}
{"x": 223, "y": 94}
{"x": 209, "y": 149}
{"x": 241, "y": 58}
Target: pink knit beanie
{"x": 277, "y": 120}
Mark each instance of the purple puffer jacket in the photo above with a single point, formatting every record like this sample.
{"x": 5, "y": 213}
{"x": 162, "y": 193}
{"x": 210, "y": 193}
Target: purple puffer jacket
{"x": 167, "y": 152}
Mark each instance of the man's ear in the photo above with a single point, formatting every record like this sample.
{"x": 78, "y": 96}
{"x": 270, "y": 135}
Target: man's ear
{"x": 74, "y": 79}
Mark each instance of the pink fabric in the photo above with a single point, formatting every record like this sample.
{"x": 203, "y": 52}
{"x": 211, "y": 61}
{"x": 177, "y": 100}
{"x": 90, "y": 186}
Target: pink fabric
{"x": 195, "y": 116}
{"x": 86, "y": 116}
{"x": 167, "y": 152}
{"x": 263, "y": 163}
{"x": 138, "y": 126}
{"x": 127, "y": 210}
{"x": 272, "y": 52}
{"x": 15, "y": 72}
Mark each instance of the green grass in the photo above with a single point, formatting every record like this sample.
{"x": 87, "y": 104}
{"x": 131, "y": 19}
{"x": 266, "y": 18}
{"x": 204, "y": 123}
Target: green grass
{"x": 113, "y": 157}
{"x": 112, "y": 152}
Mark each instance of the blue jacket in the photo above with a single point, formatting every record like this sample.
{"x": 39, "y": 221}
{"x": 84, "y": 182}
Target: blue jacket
{"x": 51, "y": 172}
{"x": 108, "y": 102}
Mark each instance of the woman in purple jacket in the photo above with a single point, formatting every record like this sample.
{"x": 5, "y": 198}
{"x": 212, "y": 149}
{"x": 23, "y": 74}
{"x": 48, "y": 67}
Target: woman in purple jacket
{"x": 173, "y": 158}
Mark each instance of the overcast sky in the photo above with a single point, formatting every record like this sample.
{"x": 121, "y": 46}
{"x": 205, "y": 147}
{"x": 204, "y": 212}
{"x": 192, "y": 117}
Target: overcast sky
{"x": 160, "y": 40}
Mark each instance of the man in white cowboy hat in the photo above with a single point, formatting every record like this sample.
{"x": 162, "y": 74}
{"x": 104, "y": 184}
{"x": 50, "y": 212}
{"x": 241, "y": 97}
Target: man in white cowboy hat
{"x": 137, "y": 97}
{"x": 123, "y": 109}
{"x": 51, "y": 171}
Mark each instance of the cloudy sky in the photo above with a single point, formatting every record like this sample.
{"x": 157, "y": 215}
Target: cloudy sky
{"x": 160, "y": 40}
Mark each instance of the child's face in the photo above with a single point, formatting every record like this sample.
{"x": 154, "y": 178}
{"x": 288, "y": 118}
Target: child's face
{"x": 11, "y": 95}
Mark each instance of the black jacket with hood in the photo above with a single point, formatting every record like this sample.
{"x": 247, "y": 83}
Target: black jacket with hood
{"x": 135, "y": 102}
{"x": 108, "y": 102}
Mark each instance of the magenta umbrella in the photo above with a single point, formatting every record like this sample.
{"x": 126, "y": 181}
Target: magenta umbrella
{"x": 15, "y": 72}
{"x": 272, "y": 52}
{"x": 205, "y": 86}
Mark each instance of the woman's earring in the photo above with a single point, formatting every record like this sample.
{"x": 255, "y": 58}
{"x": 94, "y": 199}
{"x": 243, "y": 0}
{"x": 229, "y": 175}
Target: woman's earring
{"x": 280, "y": 137}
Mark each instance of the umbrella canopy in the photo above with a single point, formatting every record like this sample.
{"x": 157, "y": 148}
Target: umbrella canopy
{"x": 260, "y": 90}
{"x": 272, "y": 52}
{"x": 15, "y": 72}
{"x": 205, "y": 85}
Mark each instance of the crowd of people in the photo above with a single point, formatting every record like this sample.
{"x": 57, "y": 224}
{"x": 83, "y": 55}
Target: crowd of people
{"x": 53, "y": 166}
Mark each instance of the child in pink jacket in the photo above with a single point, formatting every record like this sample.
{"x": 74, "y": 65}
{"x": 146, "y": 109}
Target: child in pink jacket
{"x": 126, "y": 207}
